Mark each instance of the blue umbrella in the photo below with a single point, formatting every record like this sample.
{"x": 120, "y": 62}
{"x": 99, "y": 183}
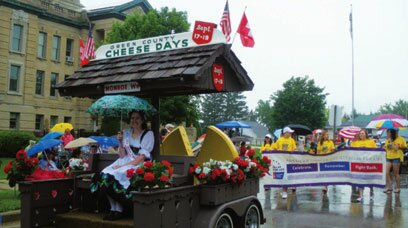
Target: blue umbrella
{"x": 232, "y": 124}
{"x": 106, "y": 141}
{"x": 43, "y": 145}
{"x": 52, "y": 135}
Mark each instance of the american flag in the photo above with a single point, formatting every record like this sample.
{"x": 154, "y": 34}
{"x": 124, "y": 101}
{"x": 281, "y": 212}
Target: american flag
{"x": 90, "y": 45}
{"x": 226, "y": 22}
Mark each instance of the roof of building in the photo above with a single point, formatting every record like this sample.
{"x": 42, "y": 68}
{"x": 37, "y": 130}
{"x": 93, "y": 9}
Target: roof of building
{"x": 258, "y": 129}
{"x": 175, "y": 72}
{"x": 119, "y": 10}
{"x": 360, "y": 121}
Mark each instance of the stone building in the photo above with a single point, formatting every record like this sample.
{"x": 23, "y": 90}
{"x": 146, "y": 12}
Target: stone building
{"x": 39, "y": 47}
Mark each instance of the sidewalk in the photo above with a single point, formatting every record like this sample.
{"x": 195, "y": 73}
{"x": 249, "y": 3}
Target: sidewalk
{"x": 4, "y": 185}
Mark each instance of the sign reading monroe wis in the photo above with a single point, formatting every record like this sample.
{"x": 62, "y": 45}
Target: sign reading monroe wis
{"x": 159, "y": 43}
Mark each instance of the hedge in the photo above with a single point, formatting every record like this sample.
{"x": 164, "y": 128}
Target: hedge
{"x": 12, "y": 141}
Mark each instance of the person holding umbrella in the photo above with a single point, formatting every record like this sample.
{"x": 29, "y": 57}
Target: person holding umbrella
{"x": 47, "y": 162}
{"x": 362, "y": 141}
{"x": 395, "y": 146}
{"x": 135, "y": 146}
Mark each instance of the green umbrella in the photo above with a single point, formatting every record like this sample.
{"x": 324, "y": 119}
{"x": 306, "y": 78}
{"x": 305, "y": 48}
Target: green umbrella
{"x": 119, "y": 106}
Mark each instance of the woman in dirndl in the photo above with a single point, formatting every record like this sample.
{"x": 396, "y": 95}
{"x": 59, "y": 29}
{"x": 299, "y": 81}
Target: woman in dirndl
{"x": 136, "y": 146}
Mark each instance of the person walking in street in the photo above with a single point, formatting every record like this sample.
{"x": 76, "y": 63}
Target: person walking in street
{"x": 288, "y": 144}
{"x": 325, "y": 146}
{"x": 395, "y": 146}
{"x": 362, "y": 141}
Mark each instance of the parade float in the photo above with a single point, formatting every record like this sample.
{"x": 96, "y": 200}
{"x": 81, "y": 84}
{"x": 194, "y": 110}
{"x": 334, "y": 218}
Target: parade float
{"x": 195, "y": 62}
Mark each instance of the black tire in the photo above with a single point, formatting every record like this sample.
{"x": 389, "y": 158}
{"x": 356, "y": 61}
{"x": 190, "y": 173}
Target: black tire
{"x": 252, "y": 217}
{"x": 224, "y": 221}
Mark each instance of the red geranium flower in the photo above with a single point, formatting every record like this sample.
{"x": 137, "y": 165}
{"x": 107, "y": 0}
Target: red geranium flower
{"x": 130, "y": 173}
{"x": 166, "y": 163}
{"x": 149, "y": 177}
{"x": 7, "y": 168}
{"x": 148, "y": 164}
{"x": 139, "y": 171}
{"x": 170, "y": 170}
{"x": 21, "y": 154}
{"x": 201, "y": 176}
{"x": 164, "y": 178}
{"x": 250, "y": 153}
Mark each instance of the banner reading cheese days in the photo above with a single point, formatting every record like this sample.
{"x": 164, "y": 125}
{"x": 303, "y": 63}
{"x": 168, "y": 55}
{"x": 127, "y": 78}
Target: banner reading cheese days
{"x": 358, "y": 167}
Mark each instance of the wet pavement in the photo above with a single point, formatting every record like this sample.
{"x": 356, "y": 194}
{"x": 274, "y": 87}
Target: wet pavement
{"x": 308, "y": 207}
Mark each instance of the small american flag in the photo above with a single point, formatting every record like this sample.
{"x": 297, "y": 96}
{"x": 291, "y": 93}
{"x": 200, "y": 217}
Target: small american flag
{"x": 351, "y": 23}
{"x": 226, "y": 22}
{"x": 90, "y": 45}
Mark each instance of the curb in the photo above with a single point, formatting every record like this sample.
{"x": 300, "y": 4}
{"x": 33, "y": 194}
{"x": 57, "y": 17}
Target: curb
{"x": 10, "y": 216}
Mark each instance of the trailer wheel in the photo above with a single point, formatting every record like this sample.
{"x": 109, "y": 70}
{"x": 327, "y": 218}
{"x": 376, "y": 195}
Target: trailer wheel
{"x": 252, "y": 217}
{"x": 224, "y": 221}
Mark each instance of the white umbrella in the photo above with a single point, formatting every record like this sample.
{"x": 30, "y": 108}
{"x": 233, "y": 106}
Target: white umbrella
{"x": 79, "y": 142}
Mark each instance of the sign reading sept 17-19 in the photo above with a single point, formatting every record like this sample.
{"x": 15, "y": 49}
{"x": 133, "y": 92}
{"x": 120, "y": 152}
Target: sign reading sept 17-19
{"x": 203, "y": 34}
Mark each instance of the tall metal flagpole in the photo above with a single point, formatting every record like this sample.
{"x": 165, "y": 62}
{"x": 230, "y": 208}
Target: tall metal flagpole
{"x": 352, "y": 64}
{"x": 233, "y": 39}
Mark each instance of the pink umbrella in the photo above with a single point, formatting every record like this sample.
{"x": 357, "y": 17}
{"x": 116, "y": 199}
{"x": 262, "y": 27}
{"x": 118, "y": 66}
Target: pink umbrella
{"x": 391, "y": 117}
{"x": 349, "y": 132}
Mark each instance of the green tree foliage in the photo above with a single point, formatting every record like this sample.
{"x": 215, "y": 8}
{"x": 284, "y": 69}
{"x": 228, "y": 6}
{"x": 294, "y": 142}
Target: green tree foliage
{"x": 221, "y": 107}
{"x": 300, "y": 101}
{"x": 400, "y": 107}
{"x": 263, "y": 112}
{"x": 155, "y": 23}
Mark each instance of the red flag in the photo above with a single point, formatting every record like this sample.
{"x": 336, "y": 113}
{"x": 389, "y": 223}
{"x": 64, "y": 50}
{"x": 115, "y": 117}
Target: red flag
{"x": 226, "y": 22}
{"x": 245, "y": 32}
{"x": 82, "y": 54}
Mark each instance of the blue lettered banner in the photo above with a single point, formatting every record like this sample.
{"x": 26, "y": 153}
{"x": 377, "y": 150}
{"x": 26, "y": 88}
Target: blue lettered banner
{"x": 360, "y": 167}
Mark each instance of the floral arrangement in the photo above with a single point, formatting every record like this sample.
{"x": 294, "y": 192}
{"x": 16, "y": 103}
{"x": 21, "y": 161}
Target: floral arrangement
{"x": 235, "y": 172}
{"x": 20, "y": 168}
{"x": 150, "y": 175}
{"x": 78, "y": 164}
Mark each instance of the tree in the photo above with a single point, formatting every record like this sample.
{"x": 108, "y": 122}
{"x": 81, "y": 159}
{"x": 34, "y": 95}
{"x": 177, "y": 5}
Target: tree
{"x": 400, "y": 107}
{"x": 155, "y": 23}
{"x": 263, "y": 112}
{"x": 219, "y": 107}
{"x": 300, "y": 102}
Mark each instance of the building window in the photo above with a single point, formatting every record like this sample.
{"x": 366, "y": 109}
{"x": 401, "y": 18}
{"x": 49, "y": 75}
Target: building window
{"x": 39, "y": 122}
{"x": 17, "y": 41}
{"x": 14, "y": 81}
{"x": 56, "y": 48}
{"x": 68, "y": 52}
{"x": 42, "y": 45}
{"x": 53, "y": 120}
{"x": 54, "y": 81}
{"x": 67, "y": 119}
{"x": 14, "y": 120}
{"x": 39, "y": 83}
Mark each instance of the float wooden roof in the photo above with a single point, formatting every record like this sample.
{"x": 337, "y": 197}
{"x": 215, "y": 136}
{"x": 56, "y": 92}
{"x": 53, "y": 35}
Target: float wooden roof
{"x": 175, "y": 72}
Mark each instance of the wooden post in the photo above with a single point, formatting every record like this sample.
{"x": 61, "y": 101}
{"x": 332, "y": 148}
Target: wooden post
{"x": 156, "y": 127}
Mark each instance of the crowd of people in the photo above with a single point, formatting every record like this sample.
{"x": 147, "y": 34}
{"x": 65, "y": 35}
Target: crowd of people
{"x": 322, "y": 144}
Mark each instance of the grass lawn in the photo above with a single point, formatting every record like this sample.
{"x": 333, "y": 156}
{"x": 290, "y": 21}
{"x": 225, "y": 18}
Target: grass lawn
{"x": 10, "y": 200}
{"x": 3, "y": 162}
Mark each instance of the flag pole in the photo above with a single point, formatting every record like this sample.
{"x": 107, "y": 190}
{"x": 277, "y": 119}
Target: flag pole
{"x": 352, "y": 64}
{"x": 233, "y": 39}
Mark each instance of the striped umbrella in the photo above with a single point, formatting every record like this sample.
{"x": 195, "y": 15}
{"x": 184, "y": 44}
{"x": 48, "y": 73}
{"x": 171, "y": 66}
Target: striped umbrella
{"x": 392, "y": 117}
{"x": 349, "y": 132}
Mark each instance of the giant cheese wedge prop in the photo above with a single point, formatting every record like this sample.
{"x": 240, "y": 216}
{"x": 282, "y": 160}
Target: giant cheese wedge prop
{"x": 217, "y": 146}
{"x": 177, "y": 143}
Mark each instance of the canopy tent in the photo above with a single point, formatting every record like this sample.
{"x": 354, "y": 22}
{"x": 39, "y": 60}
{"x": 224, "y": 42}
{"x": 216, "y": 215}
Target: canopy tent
{"x": 232, "y": 124}
{"x": 168, "y": 73}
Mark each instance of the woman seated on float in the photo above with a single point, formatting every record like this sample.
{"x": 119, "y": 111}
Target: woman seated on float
{"x": 136, "y": 145}
{"x": 268, "y": 145}
{"x": 48, "y": 160}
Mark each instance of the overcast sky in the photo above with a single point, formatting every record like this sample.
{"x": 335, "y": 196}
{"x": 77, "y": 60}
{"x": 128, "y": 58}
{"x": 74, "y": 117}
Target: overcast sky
{"x": 311, "y": 37}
